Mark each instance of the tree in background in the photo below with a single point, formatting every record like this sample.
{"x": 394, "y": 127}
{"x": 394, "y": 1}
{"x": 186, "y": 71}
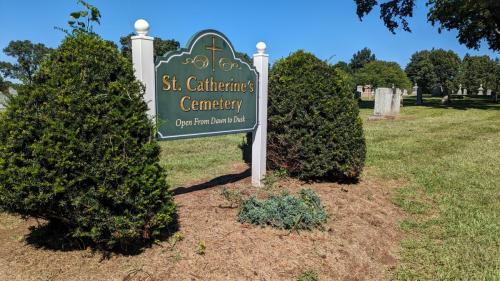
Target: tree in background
{"x": 446, "y": 67}
{"x": 160, "y": 46}
{"x": 477, "y": 70}
{"x": 475, "y": 21}
{"x": 382, "y": 74}
{"x": 420, "y": 70}
{"x": 28, "y": 57}
{"x": 4, "y": 85}
{"x": 342, "y": 65}
{"x": 361, "y": 58}
{"x": 435, "y": 68}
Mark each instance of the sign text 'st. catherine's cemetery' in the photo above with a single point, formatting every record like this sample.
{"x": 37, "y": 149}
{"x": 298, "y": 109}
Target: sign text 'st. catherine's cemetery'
{"x": 205, "y": 89}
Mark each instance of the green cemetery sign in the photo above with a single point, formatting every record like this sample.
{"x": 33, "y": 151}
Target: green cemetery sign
{"x": 205, "y": 89}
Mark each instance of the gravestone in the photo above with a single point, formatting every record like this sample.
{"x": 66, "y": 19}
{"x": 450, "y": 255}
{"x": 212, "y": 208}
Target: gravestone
{"x": 464, "y": 92}
{"x": 405, "y": 92}
{"x": 488, "y": 92}
{"x": 480, "y": 90}
{"x": 414, "y": 90}
{"x": 387, "y": 103}
{"x": 367, "y": 91}
{"x": 418, "y": 92}
{"x": 437, "y": 91}
{"x": 459, "y": 92}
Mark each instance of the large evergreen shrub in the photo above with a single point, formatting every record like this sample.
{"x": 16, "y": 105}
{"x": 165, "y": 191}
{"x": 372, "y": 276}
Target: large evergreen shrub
{"x": 314, "y": 130}
{"x": 77, "y": 148}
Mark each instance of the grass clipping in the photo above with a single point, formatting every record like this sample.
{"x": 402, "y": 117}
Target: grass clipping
{"x": 285, "y": 211}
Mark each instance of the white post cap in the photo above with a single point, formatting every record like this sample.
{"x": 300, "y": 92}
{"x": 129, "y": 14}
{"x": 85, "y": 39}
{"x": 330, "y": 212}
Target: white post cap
{"x": 141, "y": 27}
{"x": 261, "y": 47}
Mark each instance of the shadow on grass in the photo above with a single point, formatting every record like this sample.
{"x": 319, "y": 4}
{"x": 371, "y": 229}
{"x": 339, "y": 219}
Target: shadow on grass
{"x": 56, "y": 237}
{"x": 225, "y": 179}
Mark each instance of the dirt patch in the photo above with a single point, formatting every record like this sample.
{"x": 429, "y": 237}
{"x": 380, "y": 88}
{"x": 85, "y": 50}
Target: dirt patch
{"x": 360, "y": 242}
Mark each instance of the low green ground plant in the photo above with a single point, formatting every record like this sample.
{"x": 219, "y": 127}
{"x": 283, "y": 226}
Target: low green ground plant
{"x": 285, "y": 211}
{"x": 309, "y": 275}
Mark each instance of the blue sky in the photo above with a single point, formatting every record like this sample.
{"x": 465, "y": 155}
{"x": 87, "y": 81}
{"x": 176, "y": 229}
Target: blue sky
{"x": 329, "y": 29}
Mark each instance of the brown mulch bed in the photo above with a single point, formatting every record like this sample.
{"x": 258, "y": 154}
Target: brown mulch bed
{"x": 360, "y": 241}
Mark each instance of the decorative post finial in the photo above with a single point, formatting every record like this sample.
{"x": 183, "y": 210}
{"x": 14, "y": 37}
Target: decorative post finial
{"x": 141, "y": 27}
{"x": 261, "y": 47}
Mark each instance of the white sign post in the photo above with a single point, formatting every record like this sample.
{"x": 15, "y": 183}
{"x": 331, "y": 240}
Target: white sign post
{"x": 259, "y": 136}
{"x": 143, "y": 63}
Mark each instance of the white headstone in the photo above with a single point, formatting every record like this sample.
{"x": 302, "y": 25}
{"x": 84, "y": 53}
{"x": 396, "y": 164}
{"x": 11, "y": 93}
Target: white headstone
{"x": 488, "y": 92}
{"x": 387, "y": 102}
{"x": 414, "y": 90}
{"x": 480, "y": 90}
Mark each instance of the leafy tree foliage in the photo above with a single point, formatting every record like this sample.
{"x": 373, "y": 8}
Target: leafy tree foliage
{"x": 4, "y": 86}
{"x": 160, "y": 46}
{"x": 382, "y": 74}
{"x": 314, "y": 130}
{"x": 28, "y": 57}
{"x": 361, "y": 58}
{"x": 80, "y": 21}
{"x": 420, "y": 70}
{"x": 475, "y": 21}
{"x": 477, "y": 70}
{"x": 434, "y": 68}
{"x": 343, "y": 65}
{"x": 77, "y": 148}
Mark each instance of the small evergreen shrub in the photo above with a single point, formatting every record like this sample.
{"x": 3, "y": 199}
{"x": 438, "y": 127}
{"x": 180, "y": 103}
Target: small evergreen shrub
{"x": 314, "y": 129}
{"x": 285, "y": 211}
{"x": 77, "y": 148}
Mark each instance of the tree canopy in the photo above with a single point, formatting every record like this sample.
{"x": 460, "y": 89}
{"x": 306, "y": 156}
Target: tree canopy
{"x": 434, "y": 68}
{"x": 477, "y": 70}
{"x": 475, "y": 21}
{"x": 28, "y": 57}
{"x": 382, "y": 74}
{"x": 160, "y": 46}
{"x": 360, "y": 58}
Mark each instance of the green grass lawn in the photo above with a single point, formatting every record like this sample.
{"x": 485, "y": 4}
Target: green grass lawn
{"x": 201, "y": 158}
{"x": 450, "y": 158}
{"x": 450, "y": 161}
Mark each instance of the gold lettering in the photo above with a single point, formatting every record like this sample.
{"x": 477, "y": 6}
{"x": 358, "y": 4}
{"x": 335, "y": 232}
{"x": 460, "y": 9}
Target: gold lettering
{"x": 188, "y": 83}
{"x": 194, "y": 105}
{"x": 166, "y": 83}
{"x": 205, "y": 105}
{"x": 181, "y": 104}
{"x": 239, "y": 102}
{"x": 251, "y": 86}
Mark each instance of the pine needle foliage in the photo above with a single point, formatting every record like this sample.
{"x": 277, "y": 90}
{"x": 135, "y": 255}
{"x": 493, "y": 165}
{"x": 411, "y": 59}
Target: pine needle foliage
{"x": 314, "y": 128}
{"x": 285, "y": 211}
{"x": 77, "y": 148}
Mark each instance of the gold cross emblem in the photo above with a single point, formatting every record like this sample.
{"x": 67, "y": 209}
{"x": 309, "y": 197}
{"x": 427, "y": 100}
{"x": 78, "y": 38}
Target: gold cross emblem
{"x": 213, "y": 48}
